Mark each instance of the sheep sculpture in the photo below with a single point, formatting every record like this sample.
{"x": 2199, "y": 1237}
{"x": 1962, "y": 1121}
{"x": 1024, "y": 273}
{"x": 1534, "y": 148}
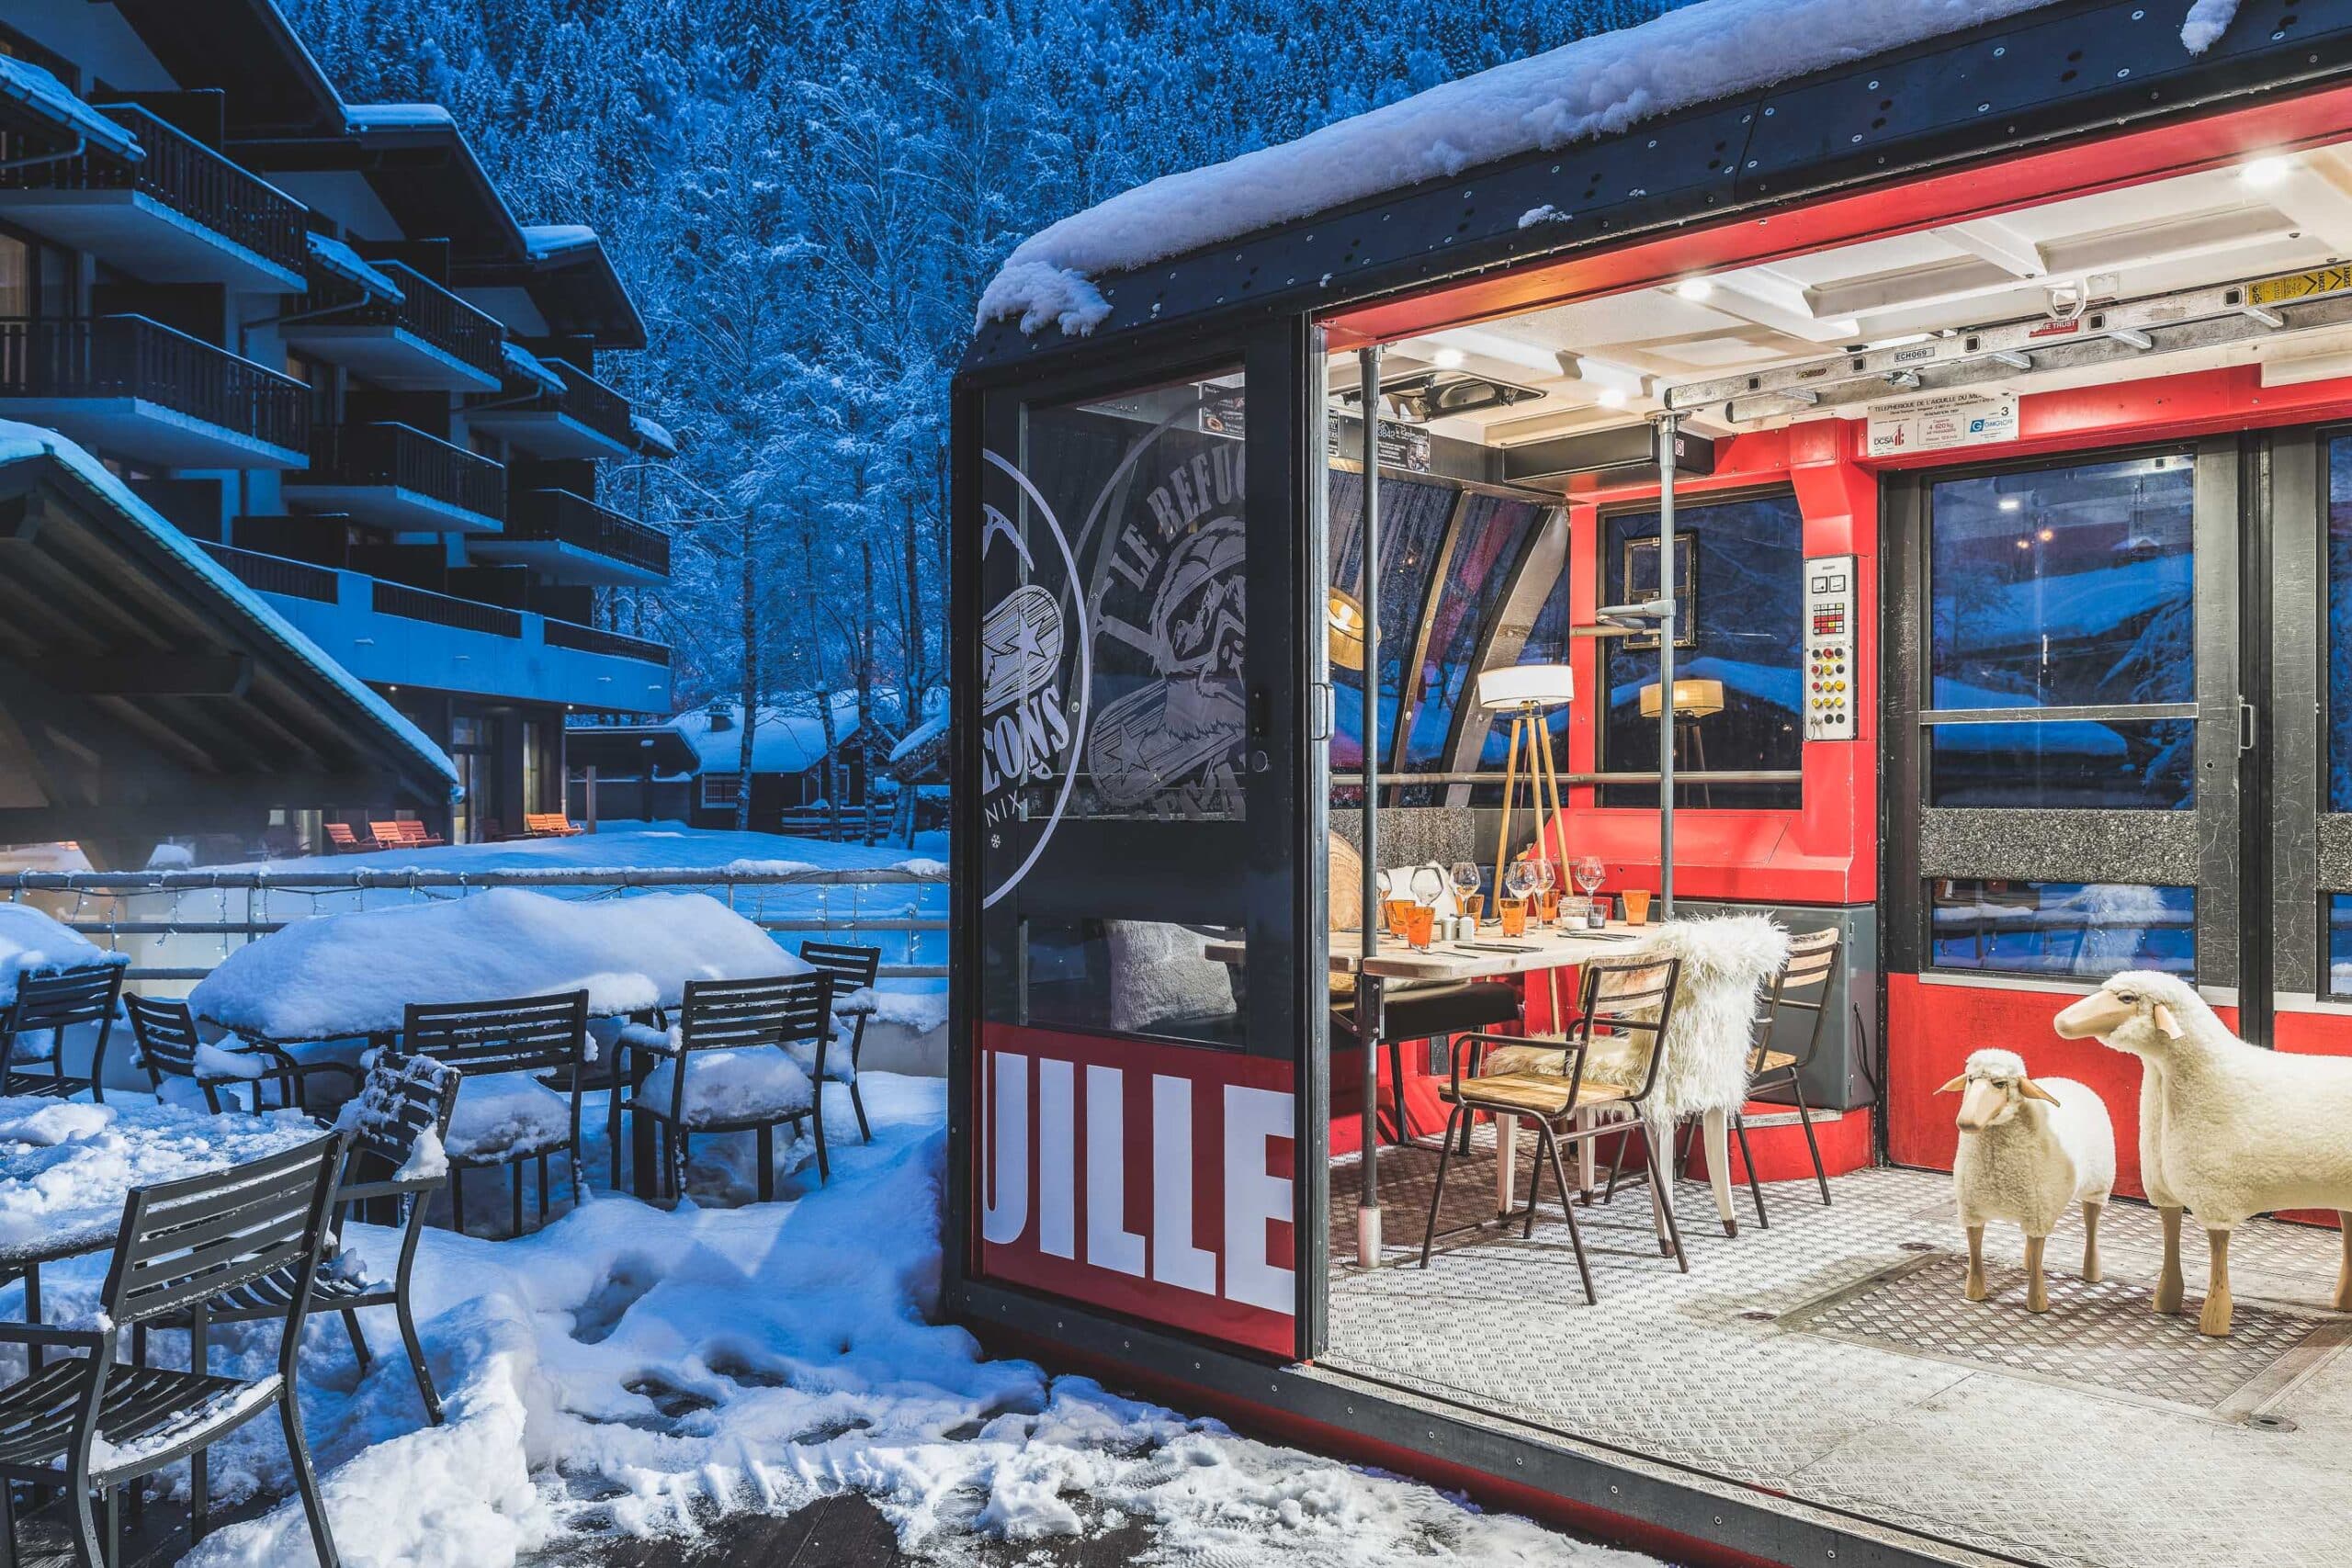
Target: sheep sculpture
{"x": 2227, "y": 1130}
{"x": 2028, "y": 1151}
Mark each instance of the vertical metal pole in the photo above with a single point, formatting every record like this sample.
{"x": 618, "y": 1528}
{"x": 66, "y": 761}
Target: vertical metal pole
{"x": 1666, "y": 635}
{"x": 1367, "y": 998}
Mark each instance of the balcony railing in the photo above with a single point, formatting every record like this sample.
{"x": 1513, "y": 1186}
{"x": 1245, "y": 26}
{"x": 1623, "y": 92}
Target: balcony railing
{"x": 593, "y": 403}
{"x": 465, "y": 615}
{"x": 406, "y": 457}
{"x": 276, "y": 574}
{"x": 433, "y": 313}
{"x": 185, "y": 175}
{"x": 131, "y": 356}
{"x": 561, "y": 517}
{"x": 596, "y": 639}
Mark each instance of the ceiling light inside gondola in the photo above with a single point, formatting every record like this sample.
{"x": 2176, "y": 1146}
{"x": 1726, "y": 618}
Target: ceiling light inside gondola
{"x": 2264, "y": 173}
{"x": 1613, "y": 398}
{"x": 1439, "y": 394}
{"x": 1698, "y": 290}
{"x": 1446, "y": 359}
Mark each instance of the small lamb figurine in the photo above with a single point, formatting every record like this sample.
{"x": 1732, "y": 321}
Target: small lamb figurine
{"x": 2028, "y": 1150}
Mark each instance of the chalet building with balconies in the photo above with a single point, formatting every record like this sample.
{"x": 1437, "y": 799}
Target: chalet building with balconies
{"x": 313, "y": 338}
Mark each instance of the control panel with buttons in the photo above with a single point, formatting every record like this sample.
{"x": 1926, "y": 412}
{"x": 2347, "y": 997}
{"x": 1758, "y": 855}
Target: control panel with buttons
{"x": 1832, "y": 684}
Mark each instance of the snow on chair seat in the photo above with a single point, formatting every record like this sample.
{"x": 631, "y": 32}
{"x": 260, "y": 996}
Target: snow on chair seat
{"x": 505, "y": 1117}
{"x": 732, "y": 1085}
{"x": 519, "y": 1039}
{"x": 734, "y": 1064}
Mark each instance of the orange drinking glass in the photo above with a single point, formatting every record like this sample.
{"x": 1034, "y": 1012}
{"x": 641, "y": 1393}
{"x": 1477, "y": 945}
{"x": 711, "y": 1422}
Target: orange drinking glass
{"x": 1547, "y": 905}
{"x": 1471, "y": 904}
{"x": 1420, "y": 925}
{"x": 1400, "y": 912}
{"x": 1514, "y": 914}
{"x": 1637, "y": 906}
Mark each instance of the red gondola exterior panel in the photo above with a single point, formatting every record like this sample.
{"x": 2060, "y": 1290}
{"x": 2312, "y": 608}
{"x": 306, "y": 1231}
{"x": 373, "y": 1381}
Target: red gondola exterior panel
{"x": 1150, "y": 1180}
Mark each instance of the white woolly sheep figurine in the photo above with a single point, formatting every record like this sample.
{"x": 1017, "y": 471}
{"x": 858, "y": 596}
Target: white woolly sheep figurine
{"x": 2227, "y": 1130}
{"x": 2029, "y": 1149}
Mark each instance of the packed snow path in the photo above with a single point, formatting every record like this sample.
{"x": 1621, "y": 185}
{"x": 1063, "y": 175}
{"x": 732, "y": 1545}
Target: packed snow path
{"x": 638, "y": 1372}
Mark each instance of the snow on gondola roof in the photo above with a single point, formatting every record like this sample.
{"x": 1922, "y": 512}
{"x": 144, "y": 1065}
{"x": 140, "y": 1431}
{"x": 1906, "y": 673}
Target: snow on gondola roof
{"x": 1703, "y": 53}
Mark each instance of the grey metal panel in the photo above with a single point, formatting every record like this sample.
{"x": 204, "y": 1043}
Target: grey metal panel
{"x": 2159, "y": 847}
{"x": 2302, "y": 853}
{"x": 1902, "y": 615}
{"x": 2331, "y": 871}
{"x": 1844, "y": 1076}
{"x": 2218, "y": 507}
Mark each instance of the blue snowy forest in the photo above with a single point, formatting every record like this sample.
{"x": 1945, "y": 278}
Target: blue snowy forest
{"x": 806, "y": 198}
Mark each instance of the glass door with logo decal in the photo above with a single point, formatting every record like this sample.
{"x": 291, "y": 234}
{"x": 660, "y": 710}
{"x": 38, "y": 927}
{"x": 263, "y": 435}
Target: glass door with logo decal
{"x": 1136, "y": 666}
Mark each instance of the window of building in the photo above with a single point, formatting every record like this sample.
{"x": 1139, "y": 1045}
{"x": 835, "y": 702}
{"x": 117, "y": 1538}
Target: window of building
{"x": 1740, "y": 659}
{"x": 720, "y": 791}
{"x": 2088, "y": 930}
{"x": 1413, "y": 520}
{"x": 2064, "y": 587}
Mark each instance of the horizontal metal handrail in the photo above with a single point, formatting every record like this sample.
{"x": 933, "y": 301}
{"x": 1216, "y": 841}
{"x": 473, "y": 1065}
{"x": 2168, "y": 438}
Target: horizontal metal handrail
{"x": 560, "y": 516}
{"x": 596, "y": 639}
{"x": 185, "y": 175}
{"x": 402, "y": 455}
{"x": 276, "y": 574}
{"x": 132, "y": 356}
{"x": 441, "y": 318}
{"x": 1681, "y": 776}
{"x": 593, "y": 403}
{"x": 349, "y": 878}
{"x": 443, "y": 609}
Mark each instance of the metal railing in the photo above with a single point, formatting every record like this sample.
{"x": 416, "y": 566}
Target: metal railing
{"x": 274, "y": 574}
{"x": 443, "y": 609}
{"x": 593, "y": 403}
{"x": 433, "y": 313}
{"x": 561, "y": 517}
{"x": 131, "y": 356}
{"x": 596, "y": 639}
{"x": 185, "y": 175}
{"x": 402, "y": 455}
{"x": 168, "y": 921}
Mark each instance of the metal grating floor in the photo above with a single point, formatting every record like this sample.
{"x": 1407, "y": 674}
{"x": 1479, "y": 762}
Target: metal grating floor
{"x": 1831, "y": 1360}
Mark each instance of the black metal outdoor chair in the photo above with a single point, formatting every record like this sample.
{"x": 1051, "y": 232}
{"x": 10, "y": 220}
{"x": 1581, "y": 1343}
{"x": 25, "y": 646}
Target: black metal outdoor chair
{"x": 399, "y": 1102}
{"x": 167, "y": 1048}
{"x": 735, "y": 1015}
{"x": 527, "y": 1036}
{"x": 1621, "y": 1001}
{"x": 96, "y": 1425}
{"x": 854, "y": 969}
{"x": 56, "y": 1003}
{"x": 1803, "y": 985}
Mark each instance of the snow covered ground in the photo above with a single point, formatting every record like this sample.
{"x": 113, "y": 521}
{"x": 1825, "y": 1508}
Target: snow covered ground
{"x": 639, "y": 1370}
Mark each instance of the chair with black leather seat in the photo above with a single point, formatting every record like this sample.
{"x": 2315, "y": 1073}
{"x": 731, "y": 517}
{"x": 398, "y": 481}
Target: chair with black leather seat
{"x": 1410, "y": 1009}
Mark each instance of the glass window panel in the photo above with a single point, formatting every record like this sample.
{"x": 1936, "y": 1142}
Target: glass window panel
{"x": 2145, "y": 764}
{"x": 2083, "y": 930}
{"x": 2339, "y": 944}
{"x": 1413, "y": 518}
{"x": 2062, "y": 587}
{"x": 1134, "y": 977}
{"x": 1745, "y": 602}
{"x": 2339, "y": 624}
{"x": 1492, "y": 533}
{"x": 1547, "y": 643}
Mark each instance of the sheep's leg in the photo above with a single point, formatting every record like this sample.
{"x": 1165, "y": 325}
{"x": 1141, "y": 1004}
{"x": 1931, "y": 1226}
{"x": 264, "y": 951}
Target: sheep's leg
{"x": 2216, "y": 1321}
{"x": 2037, "y": 1284}
{"x": 2168, "y": 1280}
{"x": 2344, "y": 1270}
{"x": 2092, "y": 1272}
{"x": 1975, "y": 1290}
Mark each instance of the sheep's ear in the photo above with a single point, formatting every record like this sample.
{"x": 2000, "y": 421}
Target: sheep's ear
{"x": 2165, "y": 1021}
{"x": 2034, "y": 1091}
{"x": 1956, "y": 1085}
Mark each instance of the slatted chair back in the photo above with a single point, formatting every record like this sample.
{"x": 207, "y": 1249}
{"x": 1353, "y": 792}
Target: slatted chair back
{"x": 1630, "y": 998}
{"x": 166, "y": 1035}
{"x": 853, "y": 968}
{"x": 717, "y": 1015}
{"x": 548, "y": 825}
{"x": 1803, "y": 986}
{"x": 341, "y": 837}
{"x": 61, "y": 1001}
{"x": 186, "y": 1242}
{"x": 524, "y": 1035}
{"x": 402, "y": 1096}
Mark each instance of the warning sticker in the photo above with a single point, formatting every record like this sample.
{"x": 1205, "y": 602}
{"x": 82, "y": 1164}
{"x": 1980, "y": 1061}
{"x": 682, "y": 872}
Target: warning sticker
{"x": 2294, "y": 285}
{"x": 1933, "y": 424}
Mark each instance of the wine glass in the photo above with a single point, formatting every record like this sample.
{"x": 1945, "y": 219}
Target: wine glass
{"x": 1519, "y": 880}
{"x": 1548, "y": 877}
{"x": 1465, "y": 887}
{"x": 1429, "y": 885}
{"x": 1589, "y": 873}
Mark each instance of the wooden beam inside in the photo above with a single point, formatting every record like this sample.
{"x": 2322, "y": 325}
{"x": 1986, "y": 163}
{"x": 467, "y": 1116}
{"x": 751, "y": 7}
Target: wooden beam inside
{"x": 150, "y": 674}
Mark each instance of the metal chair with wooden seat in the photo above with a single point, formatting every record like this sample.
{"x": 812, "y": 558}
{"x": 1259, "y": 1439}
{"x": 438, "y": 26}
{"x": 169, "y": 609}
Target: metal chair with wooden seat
{"x": 1803, "y": 985}
{"x": 1628, "y": 1000}
{"x": 51, "y": 1004}
{"x": 728, "y": 1024}
{"x": 508, "y": 1051}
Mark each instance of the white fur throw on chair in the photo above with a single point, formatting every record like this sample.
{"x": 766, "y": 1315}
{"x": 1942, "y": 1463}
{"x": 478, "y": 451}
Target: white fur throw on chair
{"x": 1726, "y": 962}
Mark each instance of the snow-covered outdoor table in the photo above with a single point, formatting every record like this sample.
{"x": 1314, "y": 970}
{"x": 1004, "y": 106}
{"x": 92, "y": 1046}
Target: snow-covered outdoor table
{"x": 65, "y": 1168}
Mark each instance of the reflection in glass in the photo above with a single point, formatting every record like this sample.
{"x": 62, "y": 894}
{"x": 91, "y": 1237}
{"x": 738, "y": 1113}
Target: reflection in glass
{"x": 2148, "y": 764}
{"x": 1133, "y": 977}
{"x": 1748, "y": 577}
{"x": 1487, "y": 542}
{"x": 2065, "y": 586}
{"x": 2085, "y": 930}
{"x": 2339, "y": 624}
{"x": 1413, "y": 516}
{"x": 2339, "y": 944}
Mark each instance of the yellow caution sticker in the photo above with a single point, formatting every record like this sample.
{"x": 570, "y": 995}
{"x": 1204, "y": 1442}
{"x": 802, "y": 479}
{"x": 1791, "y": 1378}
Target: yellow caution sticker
{"x": 2294, "y": 285}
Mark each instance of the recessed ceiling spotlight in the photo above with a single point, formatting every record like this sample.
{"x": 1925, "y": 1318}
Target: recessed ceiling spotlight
{"x": 1698, "y": 290}
{"x": 2264, "y": 173}
{"x": 1613, "y": 397}
{"x": 2010, "y": 503}
{"x": 1447, "y": 359}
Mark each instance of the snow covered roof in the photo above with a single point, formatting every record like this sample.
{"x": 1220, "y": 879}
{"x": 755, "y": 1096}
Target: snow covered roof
{"x": 653, "y": 437}
{"x": 543, "y": 240}
{"x": 43, "y": 94}
{"x": 19, "y": 443}
{"x": 783, "y": 742}
{"x": 33, "y": 943}
{"x": 371, "y": 117}
{"x": 1703, "y": 53}
{"x": 530, "y": 367}
{"x": 337, "y": 976}
{"x": 922, "y": 735}
{"x": 340, "y": 260}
